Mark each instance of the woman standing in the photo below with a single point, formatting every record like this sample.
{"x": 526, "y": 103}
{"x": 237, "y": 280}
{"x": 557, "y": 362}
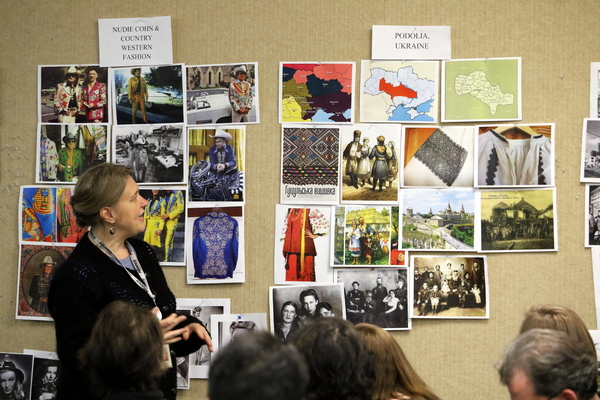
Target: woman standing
{"x": 287, "y": 328}
{"x": 109, "y": 265}
{"x": 392, "y": 308}
{"x": 354, "y": 245}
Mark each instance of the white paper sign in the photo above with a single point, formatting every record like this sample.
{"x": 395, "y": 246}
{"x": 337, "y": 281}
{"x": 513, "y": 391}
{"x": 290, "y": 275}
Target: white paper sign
{"x": 411, "y": 43}
{"x": 128, "y": 42}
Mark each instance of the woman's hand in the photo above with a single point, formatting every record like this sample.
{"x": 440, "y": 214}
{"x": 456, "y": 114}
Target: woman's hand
{"x": 201, "y": 332}
{"x": 167, "y": 325}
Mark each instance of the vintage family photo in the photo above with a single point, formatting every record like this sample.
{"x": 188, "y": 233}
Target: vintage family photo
{"x": 377, "y": 296}
{"x": 64, "y": 152}
{"x": 450, "y": 287}
{"x": 217, "y": 159}
{"x": 148, "y": 95}
{"x": 302, "y": 244}
{"x": 438, "y": 156}
{"x": 370, "y": 161}
{"x": 72, "y": 94}
{"x": 361, "y": 235}
{"x": 215, "y": 245}
{"x": 293, "y": 307}
{"x": 222, "y": 94}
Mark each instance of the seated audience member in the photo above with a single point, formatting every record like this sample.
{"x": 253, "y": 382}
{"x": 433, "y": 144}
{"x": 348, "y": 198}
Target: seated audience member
{"x": 340, "y": 365}
{"x": 548, "y": 316}
{"x": 395, "y": 378}
{"x": 549, "y": 364}
{"x": 258, "y": 366}
{"x": 124, "y": 356}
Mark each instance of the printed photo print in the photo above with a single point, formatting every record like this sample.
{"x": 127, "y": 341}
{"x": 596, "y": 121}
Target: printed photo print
{"x": 518, "y": 220}
{"x": 302, "y": 244}
{"x": 216, "y": 164}
{"x": 293, "y": 307}
{"x": 309, "y": 164}
{"x": 215, "y": 245}
{"x": 438, "y": 156}
{"x": 15, "y": 376}
{"x": 64, "y": 152}
{"x": 46, "y": 372}
{"x": 316, "y": 92}
{"x": 165, "y": 223}
{"x": 515, "y": 155}
{"x": 148, "y": 95}
{"x": 369, "y": 300}
{"x": 450, "y": 287}
{"x": 228, "y": 327}
{"x": 37, "y": 266}
{"x": 47, "y": 215}
{"x": 370, "y": 161}
{"x": 72, "y": 94}
{"x": 592, "y": 229}
{"x": 590, "y": 151}
{"x": 362, "y": 235}
{"x": 438, "y": 219}
{"x": 155, "y": 153}
{"x": 222, "y": 94}
{"x": 198, "y": 363}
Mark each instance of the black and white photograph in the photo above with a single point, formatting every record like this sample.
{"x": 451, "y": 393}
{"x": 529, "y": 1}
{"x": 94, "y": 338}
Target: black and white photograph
{"x": 46, "y": 372}
{"x": 377, "y": 296}
{"x": 293, "y": 307}
{"x": 590, "y": 151}
{"x": 449, "y": 287}
{"x": 155, "y": 153}
{"x": 165, "y": 222}
{"x": 438, "y": 156}
{"x": 592, "y": 227}
{"x": 64, "y": 152}
{"x": 302, "y": 244}
{"x": 70, "y": 94}
{"x": 15, "y": 375}
{"x": 215, "y": 245}
{"x": 222, "y": 94}
{"x": 199, "y": 361}
{"x": 518, "y": 220}
{"x": 148, "y": 95}
{"x": 228, "y": 327}
{"x": 515, "y": 155}
{"x": 217, "y": 164}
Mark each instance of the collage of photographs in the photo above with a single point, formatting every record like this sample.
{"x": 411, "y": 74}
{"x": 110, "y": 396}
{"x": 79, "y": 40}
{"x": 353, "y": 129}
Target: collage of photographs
{"x": 355, "y": 198}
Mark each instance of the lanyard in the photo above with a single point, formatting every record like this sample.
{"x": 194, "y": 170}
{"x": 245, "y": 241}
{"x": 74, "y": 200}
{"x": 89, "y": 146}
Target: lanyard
{"x": 134, "y": 261}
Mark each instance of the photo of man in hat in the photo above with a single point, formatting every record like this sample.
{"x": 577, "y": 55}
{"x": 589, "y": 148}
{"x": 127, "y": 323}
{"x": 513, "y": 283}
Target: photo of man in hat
{"x": 70, "y": 159}
{"x": 138, "y": 94}
{"x": 139, "y": 159}
{"x": 67, "y": 98}
{"x": 40, "y": 284}
{"x": 222, "y": 157}
{"x": 240, "y": 96}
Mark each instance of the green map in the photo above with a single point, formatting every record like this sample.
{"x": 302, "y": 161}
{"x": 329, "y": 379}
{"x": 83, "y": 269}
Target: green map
{"x": 482, "y": 90}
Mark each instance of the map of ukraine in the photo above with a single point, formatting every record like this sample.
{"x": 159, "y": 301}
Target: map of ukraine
{"x": 411, "y": 96}
{"x": 316, "y": 93}
{"x": 477, "y": 85}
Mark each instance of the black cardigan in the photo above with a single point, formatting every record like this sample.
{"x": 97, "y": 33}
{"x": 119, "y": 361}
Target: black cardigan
{"x": 87, "y": 282}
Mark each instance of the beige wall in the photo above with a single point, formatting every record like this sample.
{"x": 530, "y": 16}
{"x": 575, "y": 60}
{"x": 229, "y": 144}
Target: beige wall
{"x": 557, "y": 40}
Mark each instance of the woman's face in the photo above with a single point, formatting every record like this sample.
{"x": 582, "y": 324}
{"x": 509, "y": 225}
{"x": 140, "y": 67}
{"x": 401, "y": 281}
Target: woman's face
{"x": 8, "y": 380}
{"x": 129, "y": 210}
{"x": 288, "y": 313}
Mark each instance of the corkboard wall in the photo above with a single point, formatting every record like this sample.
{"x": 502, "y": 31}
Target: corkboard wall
{"x": 557, "y": 40}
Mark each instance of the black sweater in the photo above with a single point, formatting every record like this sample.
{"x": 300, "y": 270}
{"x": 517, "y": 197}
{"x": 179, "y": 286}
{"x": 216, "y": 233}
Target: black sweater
{"x": 87, "y": 282}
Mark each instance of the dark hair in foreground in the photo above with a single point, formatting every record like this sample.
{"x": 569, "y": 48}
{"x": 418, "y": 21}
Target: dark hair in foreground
{"x": 125, "y": 350}
{"x": 340, "y": 365}
{"x": 98, "y": 187}
{"x": 258, "y": 367}
{"x": 394, "y": 374}
{"x": 553, "y": 362}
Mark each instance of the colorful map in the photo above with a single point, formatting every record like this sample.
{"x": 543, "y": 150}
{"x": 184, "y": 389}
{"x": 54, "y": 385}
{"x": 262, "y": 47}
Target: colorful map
{"x": 482, "y": 90}
{"x": 398, "y": 91}
{"x": 313, "y": 92}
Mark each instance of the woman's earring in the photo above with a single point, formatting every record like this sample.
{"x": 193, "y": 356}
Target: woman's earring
{"x": 112, "y": 229}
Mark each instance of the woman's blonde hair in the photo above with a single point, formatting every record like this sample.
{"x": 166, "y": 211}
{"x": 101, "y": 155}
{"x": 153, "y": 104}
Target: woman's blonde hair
{"x": 98, "y": 187}
{"x": 394, "y": 374}
{"x": 559, "y": 318}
